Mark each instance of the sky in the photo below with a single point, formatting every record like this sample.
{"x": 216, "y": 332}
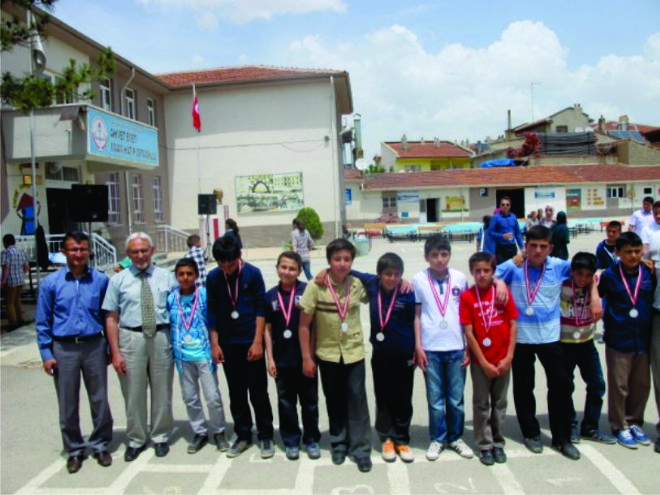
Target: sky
{"x": 425, "y": 69}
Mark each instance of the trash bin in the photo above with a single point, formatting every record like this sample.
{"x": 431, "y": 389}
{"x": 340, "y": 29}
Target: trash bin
{"x": 362, "y": 244}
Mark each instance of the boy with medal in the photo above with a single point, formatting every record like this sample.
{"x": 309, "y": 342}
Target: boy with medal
{"x": 536, "y": 286}
{"x": 285, "y": 360}
{"x": 192, "y": 357}
{"x": 440, "y": 349}
{"x": 236, "y": 321}
{"x": 490, "y": 329}
{"x": 628, "y": 290}
{"x": 339, "y": 352}
{"x": 577, "y": 341}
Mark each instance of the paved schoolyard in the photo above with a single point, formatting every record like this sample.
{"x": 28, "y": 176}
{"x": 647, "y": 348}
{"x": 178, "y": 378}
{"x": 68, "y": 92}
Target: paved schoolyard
{"x": 32, "y": 461}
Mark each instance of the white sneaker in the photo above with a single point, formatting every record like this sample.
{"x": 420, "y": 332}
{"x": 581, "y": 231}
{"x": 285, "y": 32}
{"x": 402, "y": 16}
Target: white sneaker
{"x": 462, "y": 449}
{"x": 433, "y": 452}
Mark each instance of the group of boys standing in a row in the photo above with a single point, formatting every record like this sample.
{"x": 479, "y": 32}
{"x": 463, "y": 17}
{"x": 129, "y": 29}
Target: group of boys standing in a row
{"x": 531, "y": 306}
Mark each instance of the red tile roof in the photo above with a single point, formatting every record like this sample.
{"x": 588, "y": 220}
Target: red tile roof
{"x": 352, "y": 174}
{"x": 241, "y": 74}
{"x": 428, "y": 149}
{"x": 613, "y": 125}
{"x": 514, "y": 176}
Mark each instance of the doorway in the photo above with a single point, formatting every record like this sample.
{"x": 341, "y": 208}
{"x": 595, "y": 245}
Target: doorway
{"x": 432, "y": 210}
{"x": 517, "y": 201}
{"x": 58, "y": 210}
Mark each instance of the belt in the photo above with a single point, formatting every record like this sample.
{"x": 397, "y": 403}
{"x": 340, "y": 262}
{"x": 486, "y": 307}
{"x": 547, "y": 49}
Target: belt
{"x": 162, "y": 326}
{"x": 77, "y": 339}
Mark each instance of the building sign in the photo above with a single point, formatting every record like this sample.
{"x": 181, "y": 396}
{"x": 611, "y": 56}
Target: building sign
{"x": 269, "y": 193}
{"x": 544, "y": 194}
{"x": 573, "y": 199}
{"x": 116, "y": 137}
{"x": 348, "y": 196}
{"x": 407, "y": 196}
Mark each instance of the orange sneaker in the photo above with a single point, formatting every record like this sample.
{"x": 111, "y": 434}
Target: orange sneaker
{"x": 387, "y": 452}
{"x": 405, "y": 453}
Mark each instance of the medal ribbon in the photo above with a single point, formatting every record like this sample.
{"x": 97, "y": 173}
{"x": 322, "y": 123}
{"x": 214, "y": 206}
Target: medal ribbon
{"x": 442, "y": 306}
{"x": 487, "y": 323}
{"x": 234, "y": 298}
{"x": 287, "y": 312}
{"x": 638, "y": 284}
{"x": 187, "y": 324}
{"x": 384, "y": 321}
{"x": 532, "y": 295}
{"x": 342, "y": 310}
{"x": 583, "y": 313}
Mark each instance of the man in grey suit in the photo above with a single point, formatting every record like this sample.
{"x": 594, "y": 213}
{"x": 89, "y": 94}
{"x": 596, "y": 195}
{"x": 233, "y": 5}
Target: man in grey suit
{"x": 138, "y": 330}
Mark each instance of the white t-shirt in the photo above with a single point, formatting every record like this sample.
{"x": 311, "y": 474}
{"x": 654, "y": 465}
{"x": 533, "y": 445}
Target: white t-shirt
{"x": 648, "y": 232}
{"x": 434, "y": 337}
{"x": 652, "y": 238}
{"x": 640, "y": 219}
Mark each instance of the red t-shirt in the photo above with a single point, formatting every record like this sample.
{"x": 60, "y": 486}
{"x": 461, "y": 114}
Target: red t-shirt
{"x": 499, "y": 332}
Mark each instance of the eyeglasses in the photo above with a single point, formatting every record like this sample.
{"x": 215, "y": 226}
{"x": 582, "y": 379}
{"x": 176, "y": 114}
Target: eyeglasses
{"x": 77, "y": 250}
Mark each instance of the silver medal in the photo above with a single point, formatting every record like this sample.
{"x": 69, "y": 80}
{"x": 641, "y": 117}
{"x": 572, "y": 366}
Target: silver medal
{"x": 287, "y": 333}
{"x": 444, "y": 324}
{"x": 344, "y": 326}
{"x": 576, "y": 335}
{"x": 380, "y": 336}
{"x": 486, "y": 342}
{"x": 529, "y": 311}
{"x": 633, "y": 313}
{"x": 234, "y": 315}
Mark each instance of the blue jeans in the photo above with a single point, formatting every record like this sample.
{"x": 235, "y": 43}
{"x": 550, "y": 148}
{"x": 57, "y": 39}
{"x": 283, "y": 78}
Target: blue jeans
{"x": 445, "y": 381}
{"x": 306, "y": 268}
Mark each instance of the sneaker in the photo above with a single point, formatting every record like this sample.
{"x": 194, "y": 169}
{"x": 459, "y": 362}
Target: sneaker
{"x": 221, "y": 442}
{"x": 198, "y": 443}
{"x": 575, "y": 434}
{"x": 599, "y": 436}
{"x": 534, "y": 444}
{"x": 405, "y": 453}
{"x": 499, "y": 455}
{"x": 387, "y": 451}
{"x": 656, "y": 446}
{"x": 486, "y": 457}
{"x": 267, "y": 450}
{"x": 433, "y": 452}
{"x": 238, "y": 448}
{"x": 625, "y": 437}
{"x": 640, "y": 437}
{"x": 313, "y": 450}
{"x": 462, "y": 449}
{"x": 292, "y": 452}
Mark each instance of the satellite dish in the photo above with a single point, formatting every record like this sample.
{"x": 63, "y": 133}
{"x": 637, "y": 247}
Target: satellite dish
{"x": 360, "y": 164}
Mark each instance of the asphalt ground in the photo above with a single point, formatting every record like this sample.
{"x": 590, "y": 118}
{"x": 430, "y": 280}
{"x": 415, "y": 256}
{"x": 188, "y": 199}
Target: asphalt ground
{"x": 32, "y": 461}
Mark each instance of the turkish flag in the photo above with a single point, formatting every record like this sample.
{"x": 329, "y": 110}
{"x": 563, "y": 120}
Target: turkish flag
{"x": 196, "y": 118}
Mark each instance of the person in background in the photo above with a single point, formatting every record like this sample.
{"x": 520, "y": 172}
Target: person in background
{"x": 484, "y": 241}
{"x": 548, "y": 219}
{"x": 560, "y": 237}
{"x": 301, "y": 242}
{"x": 605, "y": 252}
{"x": 642, "y": 218}
{"x": 195, "y": 252}
{"x": 504, "y": 232}
{"x": 231, "y": 228}
{"x": 15, "y": 265}
{"x": 532, "y": 219}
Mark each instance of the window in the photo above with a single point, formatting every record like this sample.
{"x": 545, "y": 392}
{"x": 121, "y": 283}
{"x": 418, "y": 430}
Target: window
{"x": 56, "y": 172}
{"x": 616, "y": 192}
{"x": 105, "y": 94}
{"x": 413, "y": 168}
{"x": 129, "y": 98}
{"x": 562, "y": 128}
{"x": 151, "y": 112}
{"x": 159, "y": 216}
{"x": 112, "y": 181}
{"x": 389, "y": 203}
{"x": 648, "y": 191}
{"x": 137, "y": 190}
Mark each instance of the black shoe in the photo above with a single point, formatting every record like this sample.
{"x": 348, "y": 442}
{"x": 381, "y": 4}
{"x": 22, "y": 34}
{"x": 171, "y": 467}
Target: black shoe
{"x": 486, "y": 457}
{"x": 534, "y": 444}
{"x": 575, "y": 434}
{"x": 338, "y": 457}
{"x": 498, "y": 455}
{"x": 198, "y": 443}
{"x": 364, "y": 464}
{"x": 133, "y": 453}
{"x": 221, "y": 442}
{"x": 74, "y": 463}
{"x": 103, "y": 458}
{"x": 656, "y": 446}
{"x": 567, "y": 449}
{"x": 162, "y": 449}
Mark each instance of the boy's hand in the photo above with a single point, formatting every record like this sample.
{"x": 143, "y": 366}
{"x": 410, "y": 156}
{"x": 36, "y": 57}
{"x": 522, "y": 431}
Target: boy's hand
{"x": 309, "y": 367}
{"x": 118, "y": 363}
{"x": 650, "y": 264}
{"x": 255, "y": 352}
{"x": 519, "y": 258}
{"x": 321, "y": 278}
{"x": 406, "y": 287}
{"x": 501, "y": 292}
{"x": 466, "y": 358}
{"x": 217, "y": 354}
{"x": 491, "y": 371}
{"x": 596, "y": 309}
{"x": 420, "y": 359}
{"x": 272, "y": 369}
{"x": 503, "y": 366}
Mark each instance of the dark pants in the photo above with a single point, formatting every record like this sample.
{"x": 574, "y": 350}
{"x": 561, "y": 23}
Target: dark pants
{"x": 243, "y": 376}
{"x": 89, "y": 358}
{"x": 291, "y": 386}
{"x": 348, "y": 412}
{"x": 393, "y": 374}
{"x": 505, "y": 252}
{"x": 585, "y": 357}
{"x": 560, "y": 390}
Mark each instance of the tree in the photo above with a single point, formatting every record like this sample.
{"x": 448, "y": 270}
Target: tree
{"x": 310, "y": 218}
{"x": 33, "y": 91}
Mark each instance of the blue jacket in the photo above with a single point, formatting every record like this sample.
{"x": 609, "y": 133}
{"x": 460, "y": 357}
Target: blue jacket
{"x": 500, "y": 225}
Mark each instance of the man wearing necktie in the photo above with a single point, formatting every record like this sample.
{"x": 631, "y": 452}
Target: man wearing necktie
{"x": 137, "y": 324}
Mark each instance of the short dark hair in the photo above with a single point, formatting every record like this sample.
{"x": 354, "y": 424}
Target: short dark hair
{"x": 226, "y": 248}
{"x": 480, "y": 256}
{"x": 8, "y": 240}
{"x": 505, "y": 198}
{"x": 438, "y": 242}
{"x": 192, "y": 240}
{"x": 648, "y": 199}
{"x": 189, "y": 262}
{"x": 292, "y": 256}
{"x": 614, "y": 224}
{"x": 389, "y": 261}
{"x": 628, "y": 238}
{"x": 656, "y": 205}
{"x": 339, "y": 245}
{"x": 76, "y": 237}
{"x": 584, "y": 260}
{"x": 539, "y": 233}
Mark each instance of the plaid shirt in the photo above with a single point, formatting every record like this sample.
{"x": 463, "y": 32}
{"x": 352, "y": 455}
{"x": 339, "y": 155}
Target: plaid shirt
{"x": 14, "y": 259}
{"x": 197, "y": 253}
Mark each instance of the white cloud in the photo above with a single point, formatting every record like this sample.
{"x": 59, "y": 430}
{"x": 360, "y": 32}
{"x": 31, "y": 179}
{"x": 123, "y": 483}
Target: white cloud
{"x": 247, "y": 10}
{"x": 464, "y": 92}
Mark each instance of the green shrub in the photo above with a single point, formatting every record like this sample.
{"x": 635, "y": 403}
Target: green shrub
{"x": 310, "y": 218}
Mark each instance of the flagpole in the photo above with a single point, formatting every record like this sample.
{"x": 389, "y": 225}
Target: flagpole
{"x": 199, "y": 166}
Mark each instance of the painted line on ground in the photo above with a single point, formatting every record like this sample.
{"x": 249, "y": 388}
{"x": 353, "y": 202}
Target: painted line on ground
{"x": 609, "y": 470}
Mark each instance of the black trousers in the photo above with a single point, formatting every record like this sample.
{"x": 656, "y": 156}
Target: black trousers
{"x": 505, "y": 252}
{"x": 243, "y": 376}
{"x": 394, "y": 375}
{"x": 560, "y": 390}
{"x": 292, "y": 386}
{"x": 348, "y": 411}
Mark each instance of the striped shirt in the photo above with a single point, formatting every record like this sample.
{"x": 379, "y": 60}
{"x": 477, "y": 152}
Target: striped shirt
{"x": 13, "y": 260}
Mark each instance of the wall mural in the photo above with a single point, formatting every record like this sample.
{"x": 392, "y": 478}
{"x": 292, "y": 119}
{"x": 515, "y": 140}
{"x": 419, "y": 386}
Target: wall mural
{"x": 267, "y": 193}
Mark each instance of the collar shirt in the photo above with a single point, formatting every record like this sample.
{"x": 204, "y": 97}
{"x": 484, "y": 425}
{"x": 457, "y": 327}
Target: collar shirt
{"x": 286, "y": 347}
{"x": 605, "y": 255}
{"x": 640, "y": 220}
{"x": 648, "y": 231}
{"x": 654, "y": 251}
{"x": 196, "y": 253}
{"x": 500, "y": 225}
{"x": 69, "y": 307}
{"x": 15, "y": 258}
{"x": 124, "y": 295}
